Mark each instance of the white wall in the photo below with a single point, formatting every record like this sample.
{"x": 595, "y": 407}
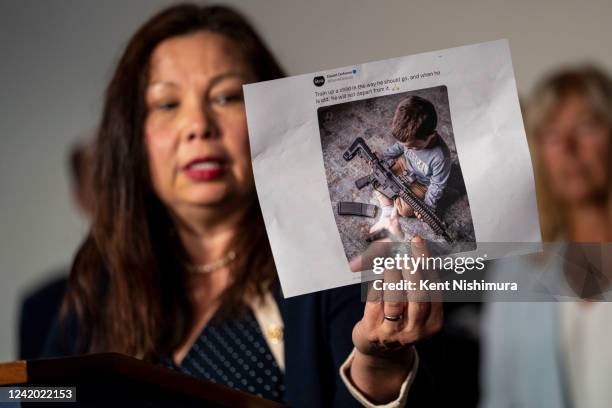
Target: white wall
{"x": 56, "y": 57}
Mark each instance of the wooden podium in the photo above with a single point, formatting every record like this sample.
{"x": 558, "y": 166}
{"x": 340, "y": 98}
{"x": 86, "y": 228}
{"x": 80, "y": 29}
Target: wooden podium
{"x": 116, "y": 380}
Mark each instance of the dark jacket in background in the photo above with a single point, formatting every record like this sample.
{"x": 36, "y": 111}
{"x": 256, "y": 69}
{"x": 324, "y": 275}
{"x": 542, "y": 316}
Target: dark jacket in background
{"x": 39, "y": 310}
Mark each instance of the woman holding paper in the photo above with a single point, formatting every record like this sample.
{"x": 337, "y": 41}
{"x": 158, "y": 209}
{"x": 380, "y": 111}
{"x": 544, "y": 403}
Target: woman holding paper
{"x": 177, "y": 268}
{"x": 558, "y": 353}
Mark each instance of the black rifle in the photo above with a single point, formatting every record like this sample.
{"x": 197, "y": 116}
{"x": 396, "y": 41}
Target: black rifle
{"x": 392, "y": 186}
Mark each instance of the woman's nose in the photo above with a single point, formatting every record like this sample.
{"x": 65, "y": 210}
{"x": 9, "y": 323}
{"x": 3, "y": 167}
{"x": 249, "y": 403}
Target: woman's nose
{"x": 568, "y": 143}
{"x": 200, "y": 125}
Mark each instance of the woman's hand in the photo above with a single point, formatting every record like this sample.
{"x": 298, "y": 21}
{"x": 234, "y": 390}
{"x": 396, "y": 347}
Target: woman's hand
{"x": 392, "y": 321}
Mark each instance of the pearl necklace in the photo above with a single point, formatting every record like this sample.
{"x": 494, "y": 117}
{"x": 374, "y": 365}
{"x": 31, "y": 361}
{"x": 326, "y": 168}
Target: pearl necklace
{"x": 213, "y": 266}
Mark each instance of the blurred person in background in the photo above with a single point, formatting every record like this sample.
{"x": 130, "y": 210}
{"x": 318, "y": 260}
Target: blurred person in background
{"x": 41, "y": 305}
{"x": 558, "y": 354}
{"x": 178, "y": 270}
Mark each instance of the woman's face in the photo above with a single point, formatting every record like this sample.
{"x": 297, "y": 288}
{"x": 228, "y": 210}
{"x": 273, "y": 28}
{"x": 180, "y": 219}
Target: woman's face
{"x": 195, "y": 128}
{"x": 574, "y": 149}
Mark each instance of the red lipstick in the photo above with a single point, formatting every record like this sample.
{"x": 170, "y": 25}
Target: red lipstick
{"x": 205, "y": 168}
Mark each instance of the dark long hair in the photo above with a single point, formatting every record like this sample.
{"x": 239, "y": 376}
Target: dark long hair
{"x": 127, "y": 284}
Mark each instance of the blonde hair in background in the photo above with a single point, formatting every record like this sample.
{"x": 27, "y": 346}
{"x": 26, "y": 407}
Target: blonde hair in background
{"x": 588, "y": 81}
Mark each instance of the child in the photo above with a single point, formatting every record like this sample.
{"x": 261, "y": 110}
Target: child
{"x": 422, "y": 157}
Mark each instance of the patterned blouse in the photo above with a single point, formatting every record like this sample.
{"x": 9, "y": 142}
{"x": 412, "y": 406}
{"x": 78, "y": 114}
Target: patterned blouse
{"x": 235, "y": 353}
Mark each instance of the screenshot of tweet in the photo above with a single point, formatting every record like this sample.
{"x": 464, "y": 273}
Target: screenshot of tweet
{"x": 351, "y": 164}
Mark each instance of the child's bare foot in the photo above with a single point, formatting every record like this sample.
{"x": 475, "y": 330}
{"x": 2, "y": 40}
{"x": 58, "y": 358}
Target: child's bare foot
{"x": 391, "y": 230}
{"x": 382, "y": 199}
{"x": 387, "y": 212}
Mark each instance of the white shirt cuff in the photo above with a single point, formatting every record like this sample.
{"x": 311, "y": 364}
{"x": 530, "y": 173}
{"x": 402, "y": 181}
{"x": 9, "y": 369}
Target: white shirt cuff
{"x": 400, "y": 401}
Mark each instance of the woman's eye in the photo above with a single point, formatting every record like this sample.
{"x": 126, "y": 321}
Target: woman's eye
{"x": 551, "y": 138}
{"x": 227, "y": 99}
{"x": 165, "y": 106}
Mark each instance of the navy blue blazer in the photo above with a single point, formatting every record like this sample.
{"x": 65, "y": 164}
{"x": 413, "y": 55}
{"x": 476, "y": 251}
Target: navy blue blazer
{"x": 39, "y": 310}
{"x": 318, "y": 329}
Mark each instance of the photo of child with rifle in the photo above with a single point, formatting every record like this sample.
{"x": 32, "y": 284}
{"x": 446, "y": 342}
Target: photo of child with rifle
{"x": 422, "y": 158}
{"x": 393, "y": 159}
